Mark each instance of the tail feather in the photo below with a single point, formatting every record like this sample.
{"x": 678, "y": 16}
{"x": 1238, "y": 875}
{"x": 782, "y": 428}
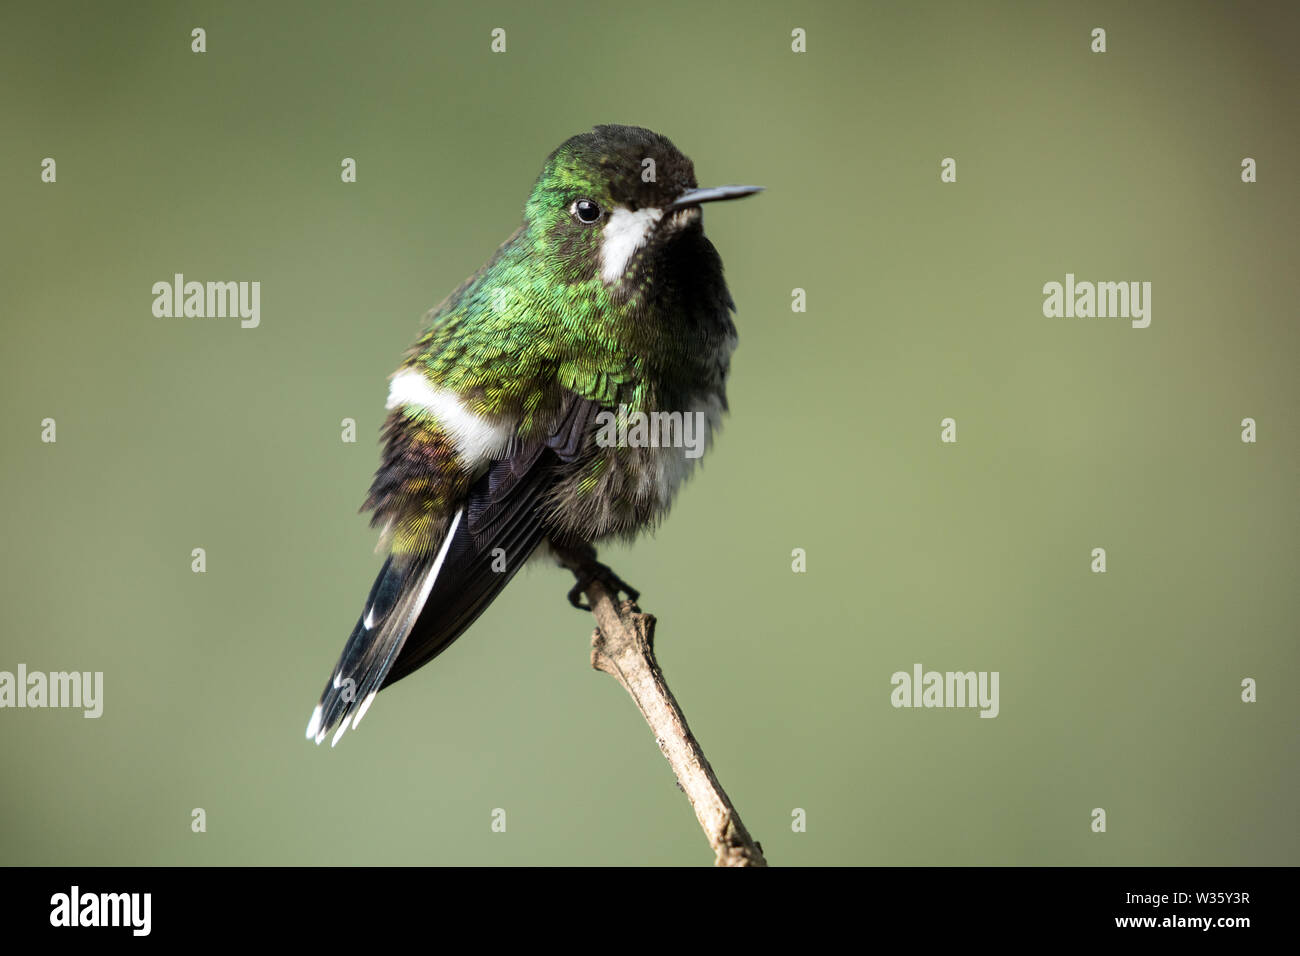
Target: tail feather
{"x": 396, "y": 599}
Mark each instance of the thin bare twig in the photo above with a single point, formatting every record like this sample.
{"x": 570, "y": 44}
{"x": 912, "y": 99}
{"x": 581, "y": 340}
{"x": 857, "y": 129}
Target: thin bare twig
{"x": 623, "y": 647}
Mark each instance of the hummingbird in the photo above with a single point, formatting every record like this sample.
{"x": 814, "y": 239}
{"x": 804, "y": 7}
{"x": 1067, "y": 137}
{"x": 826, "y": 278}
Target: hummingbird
{"x": 607, "y": 301}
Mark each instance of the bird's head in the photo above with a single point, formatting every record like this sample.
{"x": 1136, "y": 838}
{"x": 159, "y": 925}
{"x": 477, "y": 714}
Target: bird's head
{"x": 607, "y": 200}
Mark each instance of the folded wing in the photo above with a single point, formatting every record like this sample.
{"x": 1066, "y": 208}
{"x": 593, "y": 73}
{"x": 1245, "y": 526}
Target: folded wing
{"x": 420, "y": 604}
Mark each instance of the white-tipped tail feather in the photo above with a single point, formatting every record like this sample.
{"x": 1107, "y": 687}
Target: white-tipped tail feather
{"x": 391, "y": 611}
{"x": 314, "y": 725}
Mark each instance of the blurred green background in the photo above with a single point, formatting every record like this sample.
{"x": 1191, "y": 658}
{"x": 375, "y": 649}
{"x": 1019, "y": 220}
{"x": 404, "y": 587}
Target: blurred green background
{"x": 1118, "y": 690}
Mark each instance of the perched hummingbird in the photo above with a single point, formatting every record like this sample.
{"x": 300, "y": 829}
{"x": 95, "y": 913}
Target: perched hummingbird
{"x": 608, "y": 299}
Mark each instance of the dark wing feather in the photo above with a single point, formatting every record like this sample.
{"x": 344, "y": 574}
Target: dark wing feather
{"x": 419, "y": 605}
{"x": 504, "y": 511}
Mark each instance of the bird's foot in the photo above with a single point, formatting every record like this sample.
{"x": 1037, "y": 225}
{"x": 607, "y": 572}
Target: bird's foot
{"x": 595, "y": 571}
{"x": 581, "y": 560}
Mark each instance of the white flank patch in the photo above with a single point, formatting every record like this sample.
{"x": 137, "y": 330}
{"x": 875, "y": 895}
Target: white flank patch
{"x": 625, "y": 233}
{"x": 477, "y": 439}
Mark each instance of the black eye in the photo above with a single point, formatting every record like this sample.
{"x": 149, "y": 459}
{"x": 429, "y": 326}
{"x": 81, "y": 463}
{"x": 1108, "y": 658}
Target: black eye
{"x": 586, "y": 211}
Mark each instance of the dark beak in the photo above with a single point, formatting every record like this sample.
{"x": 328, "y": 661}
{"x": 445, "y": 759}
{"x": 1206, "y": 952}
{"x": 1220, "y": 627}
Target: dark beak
{"x": 693, "y": 197}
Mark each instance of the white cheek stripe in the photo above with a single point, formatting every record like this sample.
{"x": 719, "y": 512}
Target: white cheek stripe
{"x": 625, "y": 233}
{"x": 477, "y": 439}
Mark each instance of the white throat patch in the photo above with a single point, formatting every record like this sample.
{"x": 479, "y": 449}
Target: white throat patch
{"x": 625, "y": 233}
